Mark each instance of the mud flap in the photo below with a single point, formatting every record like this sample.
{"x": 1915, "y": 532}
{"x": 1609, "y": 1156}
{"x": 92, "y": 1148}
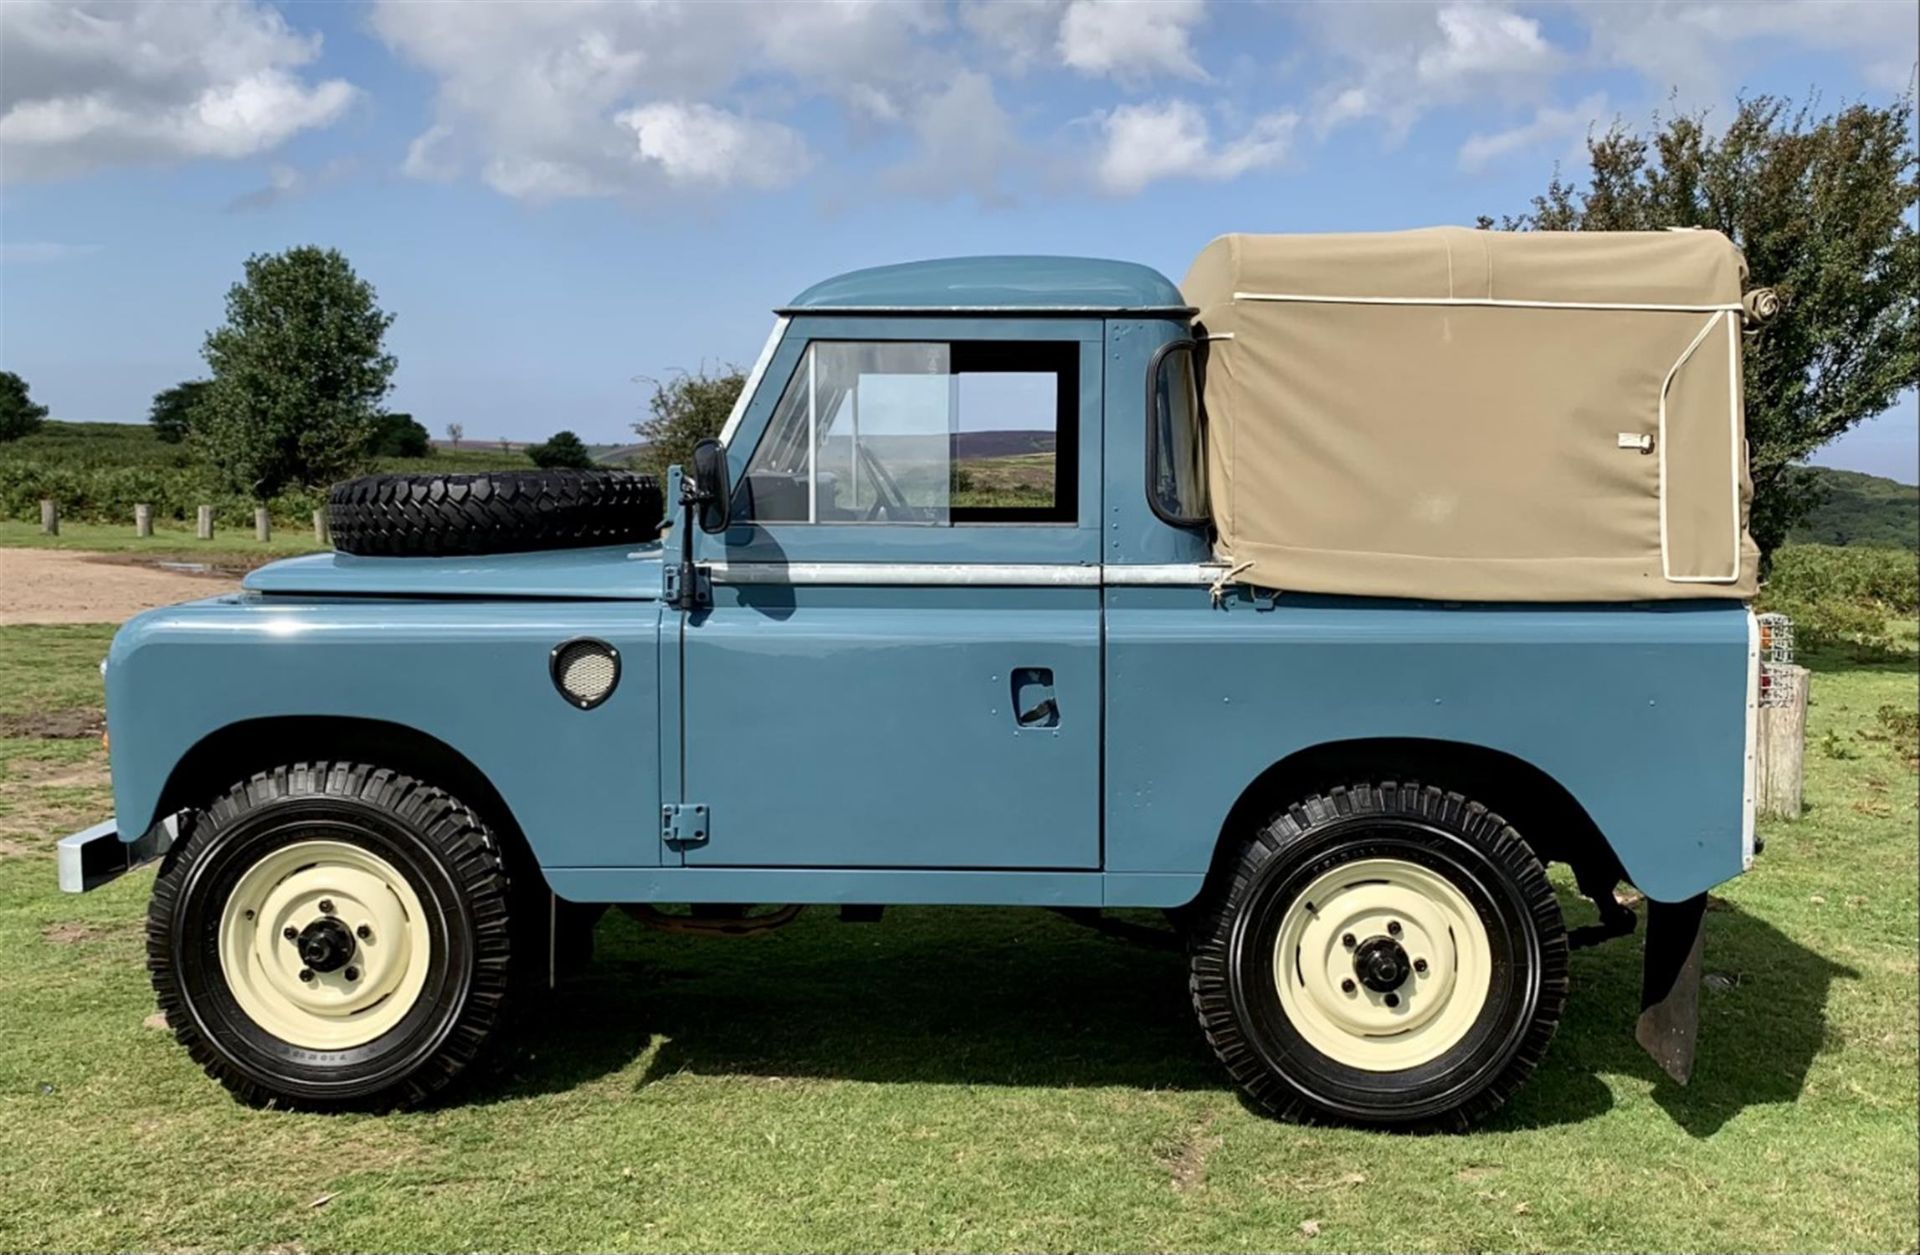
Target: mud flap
{"x": 1669, "y": 1026}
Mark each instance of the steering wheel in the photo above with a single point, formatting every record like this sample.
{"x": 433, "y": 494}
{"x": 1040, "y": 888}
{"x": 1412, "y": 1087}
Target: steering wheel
{"x": 889, "y": 502}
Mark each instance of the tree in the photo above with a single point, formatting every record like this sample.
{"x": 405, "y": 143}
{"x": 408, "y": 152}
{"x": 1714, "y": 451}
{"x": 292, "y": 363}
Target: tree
{"x": 563, "y": 450}
{"x": 686, "y": 409}
{"x": 1819, "y": 205}
{"x": 299, "y": 370}
{"x": 172, "y": 411}
{"x": 454, "y": 432}
{"x": 19, "y": 416}
{"x": 398, "y": 436}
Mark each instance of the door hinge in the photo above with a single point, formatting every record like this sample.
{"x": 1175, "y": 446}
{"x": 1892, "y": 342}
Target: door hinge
{"x": 684, "y": 825}
{"x": 702, "y": 588}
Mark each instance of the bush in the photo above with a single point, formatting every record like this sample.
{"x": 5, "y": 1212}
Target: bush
{"x": 1840, "y": 595}
{"x": 398, "y": 436}
{"x": 107, "y": 494}
{"x": 564, "y": 450}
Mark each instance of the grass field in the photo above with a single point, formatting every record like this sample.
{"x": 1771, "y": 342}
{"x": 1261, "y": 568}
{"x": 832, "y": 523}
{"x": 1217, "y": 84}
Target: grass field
{"x": 977, "y": 1079}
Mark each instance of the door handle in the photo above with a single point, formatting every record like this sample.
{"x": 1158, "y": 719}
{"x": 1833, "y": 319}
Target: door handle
{"x": 1034, "y": 703}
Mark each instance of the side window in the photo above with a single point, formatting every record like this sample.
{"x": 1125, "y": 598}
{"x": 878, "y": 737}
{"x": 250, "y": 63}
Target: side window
{"x": 917, "y": 432}
{"x": 1176, "y": 439}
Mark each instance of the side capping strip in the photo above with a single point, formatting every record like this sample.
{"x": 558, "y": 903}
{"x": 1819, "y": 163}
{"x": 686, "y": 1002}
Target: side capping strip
{"x": 978, "y": 574}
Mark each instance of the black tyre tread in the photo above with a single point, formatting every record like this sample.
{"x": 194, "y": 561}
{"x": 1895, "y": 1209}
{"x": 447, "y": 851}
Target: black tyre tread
{"x": 460, "y": 835}
{"x": 1208, "y": 957}
{"x": 420, "y": 516}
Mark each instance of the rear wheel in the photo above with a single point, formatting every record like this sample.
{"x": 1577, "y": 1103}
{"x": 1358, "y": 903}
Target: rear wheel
{"x": 333, "y": 935}
{"x": 1387, "y": 955}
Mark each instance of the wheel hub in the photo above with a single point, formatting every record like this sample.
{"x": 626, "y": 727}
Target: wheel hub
{"x": 1381, "y": 964}
{"x": 325, "y": 944}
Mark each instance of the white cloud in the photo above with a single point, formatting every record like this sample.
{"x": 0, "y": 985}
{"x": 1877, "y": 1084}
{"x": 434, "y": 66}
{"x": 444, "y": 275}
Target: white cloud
{"x": 84, "y": 87}
{"x": 1699, "y": 49}
{"x": 1479, "y": 43}
{"x": 543, "y": 97}
{"x": 966, "y": 143}
{"x": 1398, "y": 62}
{"x": 288, "y": 183}
{"x": 1022, "y": 32}
{"x": 33, "y": 252}
{"x": 697, "y": 144}
{"x": 426, "y": 156}
{"x": 1131, "y": 38}
{"x": 1549, "y": 125}
{"x": 1172, "y": 139}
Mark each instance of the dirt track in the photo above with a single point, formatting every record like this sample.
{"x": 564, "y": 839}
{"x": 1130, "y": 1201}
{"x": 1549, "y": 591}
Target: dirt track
{"x": 73, "y": 586}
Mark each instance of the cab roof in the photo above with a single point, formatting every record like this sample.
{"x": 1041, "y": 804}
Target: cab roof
{"x": 1032, "y": 284}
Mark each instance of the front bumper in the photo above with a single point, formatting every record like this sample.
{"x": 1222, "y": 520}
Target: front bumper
{"x": 95, "y": 856}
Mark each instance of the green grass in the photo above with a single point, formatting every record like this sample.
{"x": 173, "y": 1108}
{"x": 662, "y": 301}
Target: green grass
{"x": 977, "y": 1079}
{"x": 167, "y": 541}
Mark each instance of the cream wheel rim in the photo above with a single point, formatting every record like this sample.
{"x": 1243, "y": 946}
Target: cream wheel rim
{"x": 349, "y": 897}
{"x": 1341, "y": 939}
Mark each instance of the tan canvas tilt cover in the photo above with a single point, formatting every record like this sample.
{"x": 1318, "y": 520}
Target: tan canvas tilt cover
{"x": 1478, "y": 415}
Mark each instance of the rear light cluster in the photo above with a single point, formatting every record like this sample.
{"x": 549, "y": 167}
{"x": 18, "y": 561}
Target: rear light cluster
{"x": 1776, "y": 660}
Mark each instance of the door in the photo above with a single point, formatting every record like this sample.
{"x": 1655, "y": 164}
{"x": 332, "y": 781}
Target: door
{"x": 901, "y": 664}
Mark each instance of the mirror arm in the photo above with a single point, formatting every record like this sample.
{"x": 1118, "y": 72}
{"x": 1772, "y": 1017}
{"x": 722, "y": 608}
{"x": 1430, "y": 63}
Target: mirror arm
{"x": 687, "y": 595}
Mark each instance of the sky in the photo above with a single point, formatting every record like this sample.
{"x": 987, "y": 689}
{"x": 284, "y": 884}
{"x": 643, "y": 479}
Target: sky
{"x": 560, "y": 202}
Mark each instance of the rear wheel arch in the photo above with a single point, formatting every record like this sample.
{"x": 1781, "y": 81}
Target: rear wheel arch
{"x": 1552, "y": 821}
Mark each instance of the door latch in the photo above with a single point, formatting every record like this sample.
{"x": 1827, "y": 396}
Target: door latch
{"x": 684, "y": 825}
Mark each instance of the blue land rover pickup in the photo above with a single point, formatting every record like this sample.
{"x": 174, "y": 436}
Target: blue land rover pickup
{"x": 1320, "y": 605}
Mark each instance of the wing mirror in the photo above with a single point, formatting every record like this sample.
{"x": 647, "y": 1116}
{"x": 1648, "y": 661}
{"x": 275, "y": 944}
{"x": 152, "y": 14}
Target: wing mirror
{"x": 713, "y": 492}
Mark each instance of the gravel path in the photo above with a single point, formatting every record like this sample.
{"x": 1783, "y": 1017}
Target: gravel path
{"x": 73, "y": 586}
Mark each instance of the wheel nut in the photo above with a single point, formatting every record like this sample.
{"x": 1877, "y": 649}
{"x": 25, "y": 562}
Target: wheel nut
{"x": 352, "y": 973}
{"x": 1346, "y": 986}
{"x": 1348, "y": 941}
{"x": 1392, "y": 1000}
{"x": 364, "y": 933}
{"x": 1420, "y": 966}
{"x": 1393, "y": 925}
{"x": 289, "y": 932}
{"x": 306, "y": 974}
{"x": 326, "y": 906}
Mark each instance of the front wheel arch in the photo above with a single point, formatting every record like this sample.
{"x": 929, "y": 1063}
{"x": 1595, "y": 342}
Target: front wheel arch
{"x": 240, "y": 749}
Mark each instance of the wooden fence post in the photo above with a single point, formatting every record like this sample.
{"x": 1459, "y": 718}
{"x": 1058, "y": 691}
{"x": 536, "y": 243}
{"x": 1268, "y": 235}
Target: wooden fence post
{"x": 1782, "y": 747}
{"x": 262, "y": 524}
{"x": 142, "y": 519}
{"x": 49, "y": 518}
{"x": 203, "y": 522}
{"x": 319, "y": 527}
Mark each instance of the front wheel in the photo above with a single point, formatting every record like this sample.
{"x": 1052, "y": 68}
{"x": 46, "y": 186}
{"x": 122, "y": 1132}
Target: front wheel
{"x": 333, "y": 935}
{"x": 1383, "y": 955}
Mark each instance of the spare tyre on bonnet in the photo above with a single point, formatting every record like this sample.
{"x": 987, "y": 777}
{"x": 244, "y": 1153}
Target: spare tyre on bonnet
{"x": 416, "y": 516}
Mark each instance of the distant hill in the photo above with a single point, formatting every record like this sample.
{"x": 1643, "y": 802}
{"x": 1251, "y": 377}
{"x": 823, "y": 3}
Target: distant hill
{"x": 1862, "y": 510}
{"x": 968, "y": 445}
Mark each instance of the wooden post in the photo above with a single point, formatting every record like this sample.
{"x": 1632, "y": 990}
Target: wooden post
{"x": 203, "y": 522}
{"x": 142, "y": 519}
{"x": 262, "y": 525}
{"x": 319, "y": 527}
{"x": 49, "y": 518}
{"x": 1782, "y": 748}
